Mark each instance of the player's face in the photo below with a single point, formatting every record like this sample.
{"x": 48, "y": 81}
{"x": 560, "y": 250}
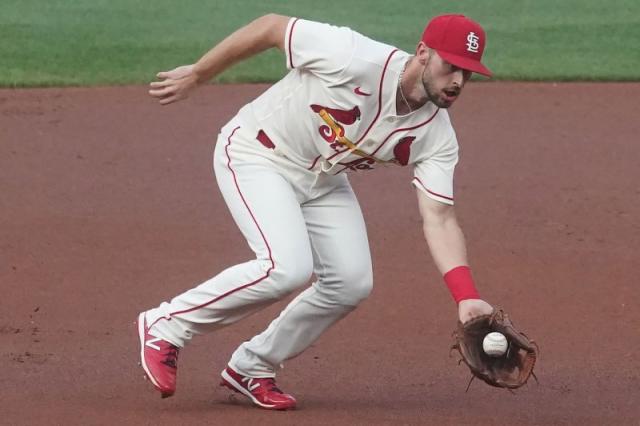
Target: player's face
{"x": 443, "y": 82}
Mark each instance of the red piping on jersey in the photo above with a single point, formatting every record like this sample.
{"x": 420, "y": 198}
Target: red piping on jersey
{"x": 384, "y": 72}
{"x": 243, "y": 286}
{"x": 431, "y": 192}
{"x": 290, "y": 37}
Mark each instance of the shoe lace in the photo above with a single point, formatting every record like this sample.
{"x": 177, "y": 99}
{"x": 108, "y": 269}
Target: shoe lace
{"x": 270, "y": 385}
{"x": 171, "y": 357}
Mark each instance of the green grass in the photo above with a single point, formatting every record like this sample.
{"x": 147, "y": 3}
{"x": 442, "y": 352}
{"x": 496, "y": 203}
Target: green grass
{"x": 98, "y": 42}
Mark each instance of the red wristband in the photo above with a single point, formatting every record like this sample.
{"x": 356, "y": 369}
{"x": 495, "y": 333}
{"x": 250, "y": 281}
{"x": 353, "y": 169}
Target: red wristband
{"x": 460, "y": 284}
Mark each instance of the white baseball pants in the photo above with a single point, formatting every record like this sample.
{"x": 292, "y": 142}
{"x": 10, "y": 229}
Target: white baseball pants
{"x": 297, "y": 223}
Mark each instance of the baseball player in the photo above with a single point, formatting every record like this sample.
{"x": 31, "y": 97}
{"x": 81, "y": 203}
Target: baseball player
{"x": 348, "y": 104}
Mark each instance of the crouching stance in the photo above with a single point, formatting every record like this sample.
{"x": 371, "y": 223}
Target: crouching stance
{"x": 348, "y": 104}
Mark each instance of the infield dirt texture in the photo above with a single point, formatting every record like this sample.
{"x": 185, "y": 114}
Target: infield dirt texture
{"x": 109, "y": 206}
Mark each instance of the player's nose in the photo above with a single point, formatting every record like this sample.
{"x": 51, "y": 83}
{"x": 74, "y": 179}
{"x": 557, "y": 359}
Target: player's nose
{"x": 457, "y": 78}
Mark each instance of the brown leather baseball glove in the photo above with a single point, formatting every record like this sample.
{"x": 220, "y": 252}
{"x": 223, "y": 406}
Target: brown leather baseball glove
{"x": 510, "y": 370}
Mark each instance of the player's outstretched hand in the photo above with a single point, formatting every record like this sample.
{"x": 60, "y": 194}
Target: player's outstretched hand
{"x": 472, "y": 308}
{"x": 509, "y": 369}
{"x": 174, "y": 85}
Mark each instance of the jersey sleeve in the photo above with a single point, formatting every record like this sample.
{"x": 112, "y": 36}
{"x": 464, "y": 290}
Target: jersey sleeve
{"x": 434, "y": 174}
{"x": 320, "y": 48}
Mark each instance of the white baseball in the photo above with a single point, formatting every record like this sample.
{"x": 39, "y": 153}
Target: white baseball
{"x": 495, "y": 344}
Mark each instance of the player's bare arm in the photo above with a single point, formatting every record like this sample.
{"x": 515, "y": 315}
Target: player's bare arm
{"x": 448, "y": 248}
{"x": 261, "y": 34}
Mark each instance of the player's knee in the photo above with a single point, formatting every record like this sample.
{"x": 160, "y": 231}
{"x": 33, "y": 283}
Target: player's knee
{"x": 289, "y": 274}
{"x": 357, "y": 285}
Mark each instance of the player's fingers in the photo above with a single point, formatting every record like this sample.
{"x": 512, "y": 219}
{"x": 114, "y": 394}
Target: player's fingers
{"x": 159, "y": 84}
{"x": 163, "y": 74}
{"x": 159, "y": 93}
{"x": 169, "y": 100}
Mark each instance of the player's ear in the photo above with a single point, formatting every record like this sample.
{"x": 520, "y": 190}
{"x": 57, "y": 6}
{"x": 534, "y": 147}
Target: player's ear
{"x": 422, "y": 53}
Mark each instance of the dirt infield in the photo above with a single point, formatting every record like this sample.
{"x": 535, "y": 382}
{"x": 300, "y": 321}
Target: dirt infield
{"x": 109, "y": 206}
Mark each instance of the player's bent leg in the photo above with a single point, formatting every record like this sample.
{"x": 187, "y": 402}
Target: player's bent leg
{"x": 233, "y": 294}
{"x": 342, "y": 259}
{"x": 266, "y": 209}
{"x": 342, "y": 264}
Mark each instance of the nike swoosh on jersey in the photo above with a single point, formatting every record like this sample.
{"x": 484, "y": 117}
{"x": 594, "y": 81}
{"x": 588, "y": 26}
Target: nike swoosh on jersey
{"x": 357, "y": 91}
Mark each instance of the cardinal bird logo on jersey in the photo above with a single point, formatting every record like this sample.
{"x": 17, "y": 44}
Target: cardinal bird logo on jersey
{"x": 342, "y": 117}
{"x": 402, "y": 150}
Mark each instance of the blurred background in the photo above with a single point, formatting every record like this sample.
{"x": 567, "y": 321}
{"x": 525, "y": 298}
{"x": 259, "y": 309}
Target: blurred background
{"x": 97, "y": 42}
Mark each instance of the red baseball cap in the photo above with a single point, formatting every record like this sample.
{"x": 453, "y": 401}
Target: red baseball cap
{"x": 458, "y": 40}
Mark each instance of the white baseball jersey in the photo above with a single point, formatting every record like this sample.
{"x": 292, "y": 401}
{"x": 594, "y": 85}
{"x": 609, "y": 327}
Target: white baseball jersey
{"x": 355, "y": 80}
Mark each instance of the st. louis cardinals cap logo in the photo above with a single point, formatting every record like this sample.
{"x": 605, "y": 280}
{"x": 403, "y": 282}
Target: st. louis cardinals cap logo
{"x": 472, "y": 42}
